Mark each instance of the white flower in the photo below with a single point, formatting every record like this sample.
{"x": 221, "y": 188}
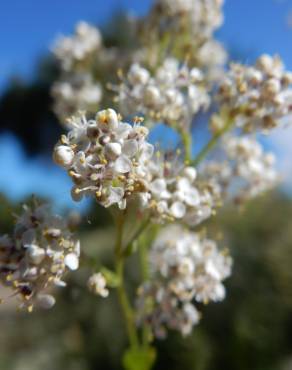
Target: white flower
{"x": 75, "y": 92}
{"x": 175, "y": 193}
{"x": 64, "y": 156}
{"x": 38, "y": 255}
{"x": 184, "y": 268}
{"x": 97, "y": 285}
{"x": 109, "y": 158}
{"x": 245, "y": 172}
{"x": 72, "y": 261}
{"x": 138, "y": 75}
{"x": 84, "y": 42}
{"x": 46, "y": 301}
{"x": 172, "y": 94}
{"x": 259, "y": 96}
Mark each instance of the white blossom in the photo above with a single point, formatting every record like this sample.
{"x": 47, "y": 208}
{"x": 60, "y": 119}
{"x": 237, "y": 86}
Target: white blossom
{"x": 77, "y": 92}
{"x": 175, "y": 193}
{"x": 110, "y": 157}
{"x": 245, "y": 170}
{"x": 37, "y": 256}
{"x": 71, "y": 50}
{"x": 97, "y": 285}
{"x": 202, "y": 16}
{"x": 258, "y": 97}
{"x": 172, "y": 95}
{"x": 185, "y": 268}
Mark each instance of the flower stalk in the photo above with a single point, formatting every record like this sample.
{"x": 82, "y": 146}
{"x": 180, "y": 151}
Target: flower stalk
{"x": 121, "y": 289}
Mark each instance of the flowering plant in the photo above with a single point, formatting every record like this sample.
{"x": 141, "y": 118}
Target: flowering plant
{"x": 174, "y": 75}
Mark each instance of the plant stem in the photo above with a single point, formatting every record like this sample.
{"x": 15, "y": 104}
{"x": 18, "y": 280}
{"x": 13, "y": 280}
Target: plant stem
{"x": 212, "y": 142}
{"x": 186, "y": 138}
{"x": 136, "y": 235}
{"x": 122, "y": 294}
{"x": 143, "y": 254}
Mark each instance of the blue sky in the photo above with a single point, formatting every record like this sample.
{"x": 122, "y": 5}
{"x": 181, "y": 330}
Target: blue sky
{"x": 28, "y": 28}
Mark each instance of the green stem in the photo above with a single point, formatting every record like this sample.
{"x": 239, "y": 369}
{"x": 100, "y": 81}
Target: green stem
{"x": 136, "y": 235}
{"x": 122, "y": 294}
{"x": 143, "y": 254}
{"x": 186, "y": 139}
{"x": 212, "y": 142}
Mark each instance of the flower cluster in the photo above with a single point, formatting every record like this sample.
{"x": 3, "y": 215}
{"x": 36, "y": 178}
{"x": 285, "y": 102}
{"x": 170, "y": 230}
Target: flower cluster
{"x": 202, "y": 17}
{"x": 77, "y": 48}
{"x": 105, "y": 157}
{"x": 36, "y": 257}
{"x": 258, "y": 97}
{"x": 185, "y": 267}
{"x": 246, "y": 170}
{"x": 76, "y": 88}
{"x": 172, "y": 95}
{"x": 76, "y": 93}
{"x": 176, "y": 194}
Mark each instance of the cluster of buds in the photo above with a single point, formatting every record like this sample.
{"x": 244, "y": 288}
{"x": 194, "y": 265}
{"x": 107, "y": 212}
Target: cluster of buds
{"x": 246, "y": 170}
{"x": 258, "y": 97}
{"x": 105, "y": 157}
{"x": 202, "y": 17}
{"x": 185, "y": 267}
{"x": 76, "y": 93}
{"x": 41, "y": 250}
{"x": 211, "y": 57}
{"x": 71, "y": 51}
{"x": 172, "y": 95}
{"x": 77, "y": 89}
{"x": 176, "y": 194}
{"x": 97, "y": 285}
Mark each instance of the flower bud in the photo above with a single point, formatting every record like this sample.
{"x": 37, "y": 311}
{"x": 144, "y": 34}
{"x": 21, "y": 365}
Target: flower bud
{"x": 97, "y": 285}
{"x": 138, "y": 75}
{"x": 71, "y": 261}
{"x": 265, "y": 63}
{"x": 271, "y": 87}
{"x": 108, "y": 117}
{"x": 152, "y": 95}
{"x": 63, "y": 155}
{"x": 190, "y": 173}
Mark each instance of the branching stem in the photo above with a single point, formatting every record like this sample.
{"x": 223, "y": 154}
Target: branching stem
{"x": 212, "y": 142}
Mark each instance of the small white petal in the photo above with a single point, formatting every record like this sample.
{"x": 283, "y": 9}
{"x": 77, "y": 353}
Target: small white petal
{"x": 115, "y": 196}
{"x": 71, "y": 261}
{"x": 123, "y": 164}
{"x": 130, "y": 148}
{"x": 183, "y": 184}
{"x": 192, "y": 197}
{"x": 158, "y": 186}
{"x": 113, "y": 150}
{"x": 178, "y": 209}
{"x": 46, "y": 301}
{"x": 35, "y": 254}
{"x": 147, "y": 151}
{"x": 190, "y": 173}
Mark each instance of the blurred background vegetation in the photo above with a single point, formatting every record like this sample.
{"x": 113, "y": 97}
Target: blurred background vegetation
{"x": 251, "y": 329}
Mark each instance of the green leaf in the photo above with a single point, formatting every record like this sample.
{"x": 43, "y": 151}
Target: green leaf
{"x": 139, "y": 358}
